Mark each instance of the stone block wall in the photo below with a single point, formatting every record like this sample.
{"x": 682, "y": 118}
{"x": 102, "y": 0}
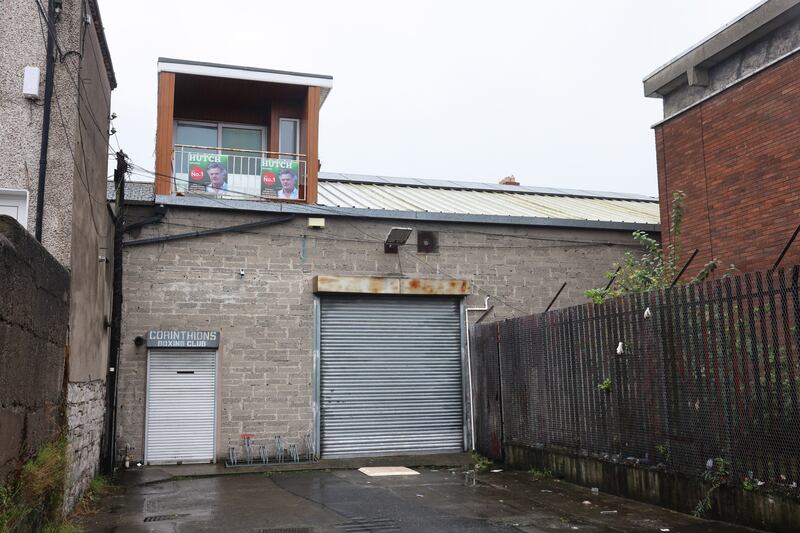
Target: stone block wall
{"x": 266, "y": 317}
{"x": 85, "y": 418}
{"x": 34, "y": 319}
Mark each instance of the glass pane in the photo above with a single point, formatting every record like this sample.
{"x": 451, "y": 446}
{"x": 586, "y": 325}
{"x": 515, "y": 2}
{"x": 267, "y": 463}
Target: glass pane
{"x": 242, "y": 139}
{"x": 288, "y": 138}
{"x": 191, "y": 135}
{"x": 196, "y": 135}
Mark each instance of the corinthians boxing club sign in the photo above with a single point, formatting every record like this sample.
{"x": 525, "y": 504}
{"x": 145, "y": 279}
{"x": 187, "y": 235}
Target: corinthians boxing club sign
{"x": 157, "y": 338}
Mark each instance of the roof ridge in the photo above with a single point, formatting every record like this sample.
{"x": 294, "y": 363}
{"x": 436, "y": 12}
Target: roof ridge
{"x": 370, "y": 179}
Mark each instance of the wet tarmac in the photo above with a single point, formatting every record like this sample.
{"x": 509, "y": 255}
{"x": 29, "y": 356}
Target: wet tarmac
{"x": 437, "y": 500}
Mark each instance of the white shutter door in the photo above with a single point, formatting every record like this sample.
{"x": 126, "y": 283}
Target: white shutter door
{"x": 181, "y": 407}
{"x": 390, "y": 376}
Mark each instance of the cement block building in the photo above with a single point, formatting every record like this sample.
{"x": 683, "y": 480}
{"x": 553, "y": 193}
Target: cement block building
{"x": 264, "y": 298}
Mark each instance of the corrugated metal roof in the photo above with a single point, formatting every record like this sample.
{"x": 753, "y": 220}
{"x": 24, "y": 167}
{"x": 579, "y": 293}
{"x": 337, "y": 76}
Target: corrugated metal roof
{"x": 373, "y": 195}
{"x": 472, "y": 199}
{"x": 478, "y": 186}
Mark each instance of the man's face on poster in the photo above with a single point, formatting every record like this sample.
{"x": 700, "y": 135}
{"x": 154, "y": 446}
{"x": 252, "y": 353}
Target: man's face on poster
{"x": 287, "y": 182}
{"x": 216, "y": 176}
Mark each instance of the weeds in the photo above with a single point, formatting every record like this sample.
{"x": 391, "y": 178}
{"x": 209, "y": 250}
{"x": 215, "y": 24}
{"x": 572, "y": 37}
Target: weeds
{"x": 717, "y": 474}
{"x": 90, "y": 502}
{"x": 482, "y": 463}
{"x": 663, "y": 450}
{"x": 64, "y": 527}
{"x": 37, "y": 495}
{"x": 605, "y": 386}
{"x": 540, "y": 474}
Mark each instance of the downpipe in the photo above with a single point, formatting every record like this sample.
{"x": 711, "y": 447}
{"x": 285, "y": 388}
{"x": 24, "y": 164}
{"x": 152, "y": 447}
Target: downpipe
{"x": 469, "y": 369}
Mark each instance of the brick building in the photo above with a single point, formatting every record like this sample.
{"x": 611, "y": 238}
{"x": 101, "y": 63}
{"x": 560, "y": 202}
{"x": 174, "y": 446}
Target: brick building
{"x": 729, "y": 139}
{"x": 249, "y": 309}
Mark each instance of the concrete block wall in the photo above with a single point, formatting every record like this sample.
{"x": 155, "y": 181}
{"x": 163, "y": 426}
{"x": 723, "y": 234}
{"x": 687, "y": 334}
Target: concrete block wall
{"x": 266, "y": 316}
{"x": 735, "y": 157}
{"x": 34, "y": 318}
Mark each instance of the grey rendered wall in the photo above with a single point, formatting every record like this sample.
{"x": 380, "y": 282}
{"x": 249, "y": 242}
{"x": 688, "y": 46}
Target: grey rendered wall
{"x": 92, "y": 238}
{"x": 751, "y": 59}
{"x": 34, "y": 314}
{"x": 266, "y": 317}
{"x": 23, "y": 43}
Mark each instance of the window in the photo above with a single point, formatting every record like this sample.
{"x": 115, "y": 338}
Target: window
{"x": 209, "y": 137}
{"x": 14, "y": 203}
{"x": 196, "y": 135}
{"x": 289, "y": 138}
{"x": 237, "y": 139}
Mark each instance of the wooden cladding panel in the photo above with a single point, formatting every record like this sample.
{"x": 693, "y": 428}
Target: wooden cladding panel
{"x": 166, "y": 102}
{"x": 312, "y": 143}
{"x": 237, "y": 101}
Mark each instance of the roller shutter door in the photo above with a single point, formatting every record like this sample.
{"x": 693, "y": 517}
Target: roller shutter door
{"x": 180, "y": 407}
{"x": 390, "y": 376}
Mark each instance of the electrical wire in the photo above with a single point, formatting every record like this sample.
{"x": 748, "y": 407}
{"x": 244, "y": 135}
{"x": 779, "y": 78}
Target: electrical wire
{"x": 52, "y": 32}
{"x": 43, "y": 19}
{"x": 81, "y": 176}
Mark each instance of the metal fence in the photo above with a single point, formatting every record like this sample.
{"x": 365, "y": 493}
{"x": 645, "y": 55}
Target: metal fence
{"x": 676, "y": 377}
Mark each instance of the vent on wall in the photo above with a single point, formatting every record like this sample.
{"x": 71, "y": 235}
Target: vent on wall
{"x": 427, "y": 242}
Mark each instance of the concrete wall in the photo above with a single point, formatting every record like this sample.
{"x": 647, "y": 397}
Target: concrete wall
{"x": 266, "y": 317}
{"x": 92, "y": 228}
{"x": 741, "y": 64}
{"x": 92, "y": 238}
{"x": 34, "y": 315}
{"x": 77, "y": 227}
{"x": 765, "y": 509}
{"x": 735, "y": 157}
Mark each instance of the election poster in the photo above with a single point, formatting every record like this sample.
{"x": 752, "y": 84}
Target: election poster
{"x": 208, "y": 173}
{"x": 280, "y": 178}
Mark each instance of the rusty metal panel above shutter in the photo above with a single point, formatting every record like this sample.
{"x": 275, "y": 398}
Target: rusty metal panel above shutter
{"x": 390, "y": 375}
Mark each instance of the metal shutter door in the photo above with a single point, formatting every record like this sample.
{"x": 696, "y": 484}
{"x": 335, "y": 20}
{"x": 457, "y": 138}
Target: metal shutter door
{"x": 180, "y": 407}
{"x": 390, "y": 375}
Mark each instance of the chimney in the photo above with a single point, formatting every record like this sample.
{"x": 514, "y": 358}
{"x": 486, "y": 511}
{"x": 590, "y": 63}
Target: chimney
{"x": 509, "y": 180}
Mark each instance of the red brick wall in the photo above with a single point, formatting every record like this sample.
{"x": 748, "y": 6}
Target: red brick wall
{"x": 737, "y": 158}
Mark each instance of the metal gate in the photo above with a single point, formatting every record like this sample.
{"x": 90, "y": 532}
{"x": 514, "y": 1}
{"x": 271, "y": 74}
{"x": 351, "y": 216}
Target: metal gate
{"x": 390, "y": 375}
{"x": 181, "y": 408}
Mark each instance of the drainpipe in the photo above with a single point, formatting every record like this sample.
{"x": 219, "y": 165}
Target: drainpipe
{"x": 469, "y": 368}
{"x": 48, "y": 100}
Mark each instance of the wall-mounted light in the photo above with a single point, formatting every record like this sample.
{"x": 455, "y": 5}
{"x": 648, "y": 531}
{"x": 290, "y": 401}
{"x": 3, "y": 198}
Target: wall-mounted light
{"x": 397, "y": 237}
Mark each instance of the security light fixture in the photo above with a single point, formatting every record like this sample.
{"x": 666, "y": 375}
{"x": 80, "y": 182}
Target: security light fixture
{"x": 396, "y": 237}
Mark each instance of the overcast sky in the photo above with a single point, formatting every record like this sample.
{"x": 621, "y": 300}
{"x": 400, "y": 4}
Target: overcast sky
{"x": 550, "y": 92}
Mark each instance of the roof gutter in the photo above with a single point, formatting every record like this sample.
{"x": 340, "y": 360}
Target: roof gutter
{"x": 420, "y": 216}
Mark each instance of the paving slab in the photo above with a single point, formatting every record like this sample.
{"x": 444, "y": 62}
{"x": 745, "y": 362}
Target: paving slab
{"x": 437, "y": 500}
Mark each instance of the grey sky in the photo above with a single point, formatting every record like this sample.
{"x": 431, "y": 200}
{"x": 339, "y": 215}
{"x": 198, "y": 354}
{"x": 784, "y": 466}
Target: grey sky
{"x": 548, "y": 91}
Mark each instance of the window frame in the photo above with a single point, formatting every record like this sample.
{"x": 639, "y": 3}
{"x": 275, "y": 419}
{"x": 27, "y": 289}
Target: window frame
{"x": 219, "y": 126}
{"x": 22, "y": 198}
{"x": 296, "y": 140}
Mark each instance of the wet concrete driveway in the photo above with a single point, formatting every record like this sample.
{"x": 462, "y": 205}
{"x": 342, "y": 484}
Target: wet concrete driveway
{"x": 348, "y": 501}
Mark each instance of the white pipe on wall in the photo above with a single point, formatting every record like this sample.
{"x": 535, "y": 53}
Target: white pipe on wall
{"x": 469, "y": 369}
